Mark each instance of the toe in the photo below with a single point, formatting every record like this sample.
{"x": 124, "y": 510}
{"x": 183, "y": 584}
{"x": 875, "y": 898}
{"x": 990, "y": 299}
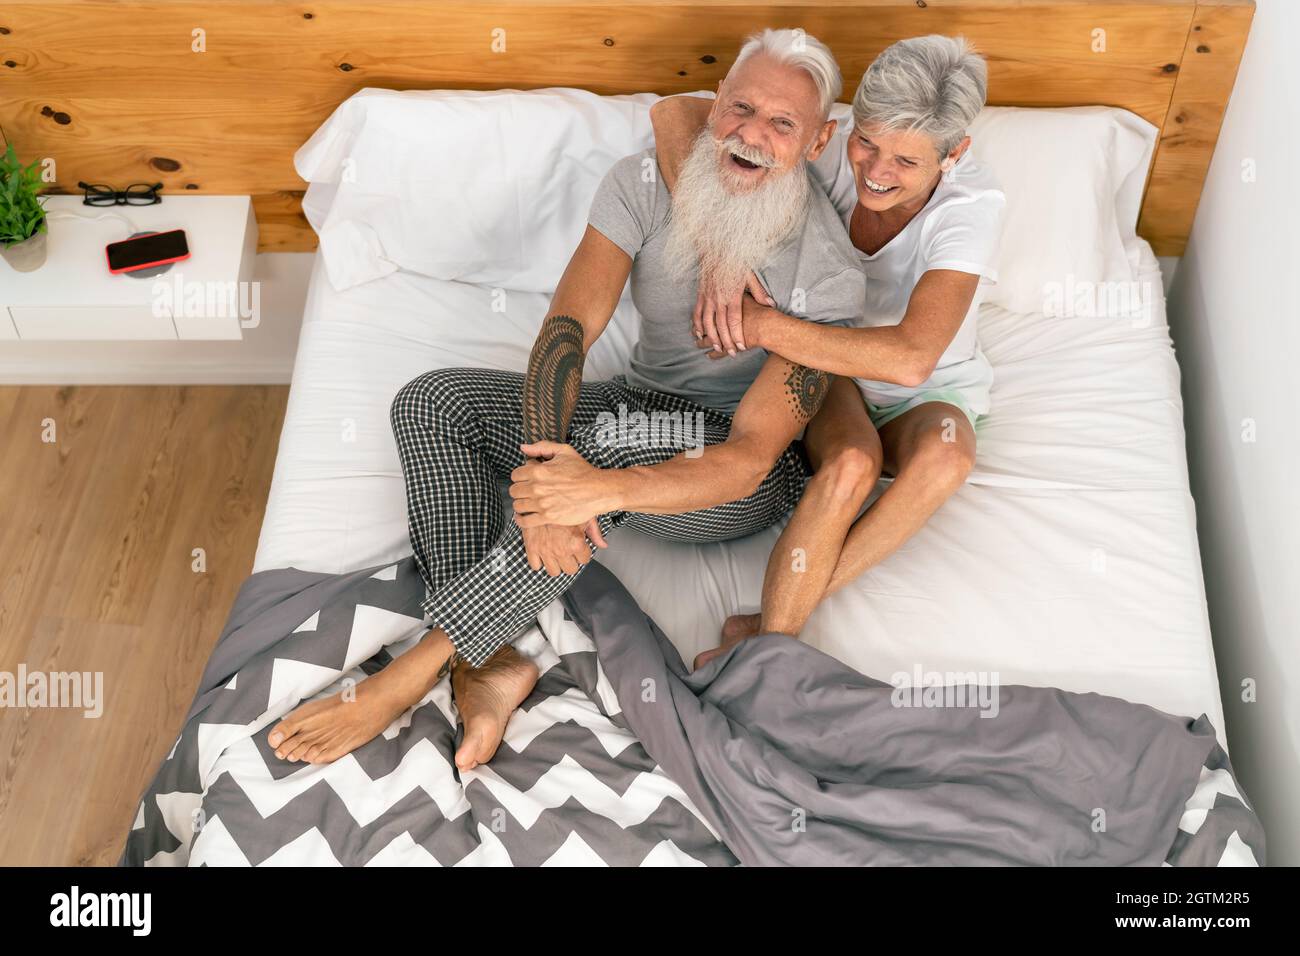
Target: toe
{"x": 287, "y": 746}
{"x": 301, "y": 744}
{"x": 465, "y": 754}
{"x": 281, "y": 733}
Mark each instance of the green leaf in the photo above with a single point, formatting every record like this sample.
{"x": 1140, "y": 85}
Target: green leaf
{"x": 21, "y": 209}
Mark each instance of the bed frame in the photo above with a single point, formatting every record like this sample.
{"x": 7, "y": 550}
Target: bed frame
{"x": 114, "y": 92}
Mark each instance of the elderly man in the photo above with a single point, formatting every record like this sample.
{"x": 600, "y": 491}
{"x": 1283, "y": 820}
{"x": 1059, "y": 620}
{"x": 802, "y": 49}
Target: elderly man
{"x": 744, "y": 202}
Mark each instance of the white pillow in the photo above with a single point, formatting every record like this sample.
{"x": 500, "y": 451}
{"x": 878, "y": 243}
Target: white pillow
{"x": 491, "y": 187}
{"x": 1074, "y": 179}
{"x": 494, "y": 188}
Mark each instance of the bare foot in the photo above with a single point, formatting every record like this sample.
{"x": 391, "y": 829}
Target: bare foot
{"x": 487, "y": 696}
{"x": 322, "y": 731}
{"x": 734, "y": 630}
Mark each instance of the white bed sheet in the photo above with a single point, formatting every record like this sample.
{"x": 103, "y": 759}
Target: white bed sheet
{"x": 1069, "y": 559}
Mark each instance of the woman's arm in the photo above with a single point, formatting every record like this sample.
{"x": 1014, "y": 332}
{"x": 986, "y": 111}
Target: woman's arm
{"x": 676, "y": 121}
{"x": 904, "y": 354}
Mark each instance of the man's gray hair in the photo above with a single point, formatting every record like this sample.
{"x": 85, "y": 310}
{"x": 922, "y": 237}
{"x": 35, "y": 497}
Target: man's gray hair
{"x": 796, "y": 48}
{"x": 933, "y": 84}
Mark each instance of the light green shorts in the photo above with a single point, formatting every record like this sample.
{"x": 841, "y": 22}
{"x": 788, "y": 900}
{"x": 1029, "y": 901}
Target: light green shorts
{"x": 883, "y": 414}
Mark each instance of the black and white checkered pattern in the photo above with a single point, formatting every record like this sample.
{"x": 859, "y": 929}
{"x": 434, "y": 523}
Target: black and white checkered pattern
{"x": 458, "y": 432}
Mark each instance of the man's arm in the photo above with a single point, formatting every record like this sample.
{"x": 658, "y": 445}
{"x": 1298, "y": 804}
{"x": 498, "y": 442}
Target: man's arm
{"x": 904, "y": 354}
{"x": 780, "y": 402}
{"x": 567, "y": 489}
{"x": 581, "y": 308}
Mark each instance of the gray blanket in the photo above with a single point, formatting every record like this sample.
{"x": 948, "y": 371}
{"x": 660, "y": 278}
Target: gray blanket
{"x": 773, "y": 754}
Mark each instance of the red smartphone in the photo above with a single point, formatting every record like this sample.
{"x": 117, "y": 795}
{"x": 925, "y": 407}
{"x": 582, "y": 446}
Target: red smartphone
{"x": 141, "y": 252}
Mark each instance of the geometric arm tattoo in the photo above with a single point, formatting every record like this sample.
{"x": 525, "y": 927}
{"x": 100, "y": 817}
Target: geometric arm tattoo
{"x": 553, "y": 379}
{"x": 805, "y": 390}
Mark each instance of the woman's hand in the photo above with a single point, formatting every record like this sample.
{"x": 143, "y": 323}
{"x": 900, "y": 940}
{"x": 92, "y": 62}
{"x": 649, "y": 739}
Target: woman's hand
{"x": 718, "y": 320}
{"x": 754, "y": 319}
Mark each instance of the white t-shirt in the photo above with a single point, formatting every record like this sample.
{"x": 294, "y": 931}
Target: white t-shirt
{"x": 959, "y": 228}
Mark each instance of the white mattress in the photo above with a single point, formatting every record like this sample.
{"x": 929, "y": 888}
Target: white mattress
{"x": 1069, "y": 559}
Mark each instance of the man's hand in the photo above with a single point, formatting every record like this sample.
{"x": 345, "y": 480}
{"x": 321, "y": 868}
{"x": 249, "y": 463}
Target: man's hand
{"x": 560, "y": 549}
{"x": 754, "y": 317}
{"x": 718, "y": 321}
{"x": 563, "y": 489}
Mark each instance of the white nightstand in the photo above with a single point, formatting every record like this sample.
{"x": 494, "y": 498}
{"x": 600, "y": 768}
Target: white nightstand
{"x": 74, "y": 297}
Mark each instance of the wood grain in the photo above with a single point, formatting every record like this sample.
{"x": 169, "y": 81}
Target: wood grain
{"x": 1206, "y": 74}
{"x": 113, "y": 92}
{"x": 97, "y": 531}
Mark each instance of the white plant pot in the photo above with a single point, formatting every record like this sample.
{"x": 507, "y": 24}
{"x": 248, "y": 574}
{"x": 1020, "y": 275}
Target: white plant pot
{"x": 28, "y": 255}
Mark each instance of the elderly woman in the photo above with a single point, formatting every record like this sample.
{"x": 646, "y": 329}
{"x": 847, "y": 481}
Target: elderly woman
{"x": 911, "y": 380}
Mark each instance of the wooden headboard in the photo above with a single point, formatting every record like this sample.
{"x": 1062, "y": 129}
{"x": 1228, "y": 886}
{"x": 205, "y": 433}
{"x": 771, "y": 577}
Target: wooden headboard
{"x": 113, "y": 91}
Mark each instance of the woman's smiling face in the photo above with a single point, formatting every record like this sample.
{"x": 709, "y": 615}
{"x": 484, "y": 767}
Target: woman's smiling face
{"x": 895, "y": 168}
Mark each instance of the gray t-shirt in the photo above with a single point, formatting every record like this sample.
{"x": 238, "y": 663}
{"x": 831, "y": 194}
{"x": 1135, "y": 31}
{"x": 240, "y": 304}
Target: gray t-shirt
{"x": 814, "y": 274}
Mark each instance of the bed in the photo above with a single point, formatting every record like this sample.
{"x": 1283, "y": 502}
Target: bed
{"x": 1066, "y": 570}
{"x": 1069, "y": 559}
{"x": 1067, "y": 563}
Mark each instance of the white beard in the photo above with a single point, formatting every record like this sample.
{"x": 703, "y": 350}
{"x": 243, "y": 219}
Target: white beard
{"x": 726, "y": 235}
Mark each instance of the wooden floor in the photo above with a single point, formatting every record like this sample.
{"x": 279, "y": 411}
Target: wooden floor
{"x": 97, "y": 537}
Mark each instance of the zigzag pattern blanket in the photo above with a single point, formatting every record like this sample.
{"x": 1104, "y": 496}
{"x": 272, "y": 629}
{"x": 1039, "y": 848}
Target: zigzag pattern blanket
{"x": 772, "y": 754}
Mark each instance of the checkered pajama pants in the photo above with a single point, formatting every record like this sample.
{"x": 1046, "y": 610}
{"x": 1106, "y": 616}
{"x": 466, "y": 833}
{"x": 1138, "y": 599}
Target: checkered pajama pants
{"x": 458, "y": 432}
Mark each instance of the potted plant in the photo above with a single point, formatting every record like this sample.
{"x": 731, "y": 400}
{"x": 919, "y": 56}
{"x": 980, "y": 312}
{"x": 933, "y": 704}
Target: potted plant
{"x": 22, "y": 217}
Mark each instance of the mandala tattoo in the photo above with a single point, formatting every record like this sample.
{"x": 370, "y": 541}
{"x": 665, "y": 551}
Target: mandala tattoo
{"x": 553, "y": 379}
{"x": 806, "y": 390}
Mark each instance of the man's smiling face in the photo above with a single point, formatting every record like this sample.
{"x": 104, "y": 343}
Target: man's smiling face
{"x": 768, "y": 118}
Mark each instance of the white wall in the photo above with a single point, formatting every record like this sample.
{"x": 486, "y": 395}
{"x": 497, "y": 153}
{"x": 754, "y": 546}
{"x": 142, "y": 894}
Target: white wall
{"x": 1235, "y": 317}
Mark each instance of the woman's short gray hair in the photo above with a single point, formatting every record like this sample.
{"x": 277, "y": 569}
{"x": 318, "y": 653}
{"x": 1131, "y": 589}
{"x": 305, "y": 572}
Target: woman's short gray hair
{"x": 933, "y": 84}
{"x": 796, "y": 48}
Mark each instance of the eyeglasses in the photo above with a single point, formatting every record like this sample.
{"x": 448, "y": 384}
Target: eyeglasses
{"x": 137, "y": 194}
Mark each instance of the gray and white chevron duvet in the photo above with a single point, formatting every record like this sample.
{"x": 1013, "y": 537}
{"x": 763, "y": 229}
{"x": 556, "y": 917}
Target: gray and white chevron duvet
{"x": 568, "y": 786}
{"x": 573, "y": 784}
